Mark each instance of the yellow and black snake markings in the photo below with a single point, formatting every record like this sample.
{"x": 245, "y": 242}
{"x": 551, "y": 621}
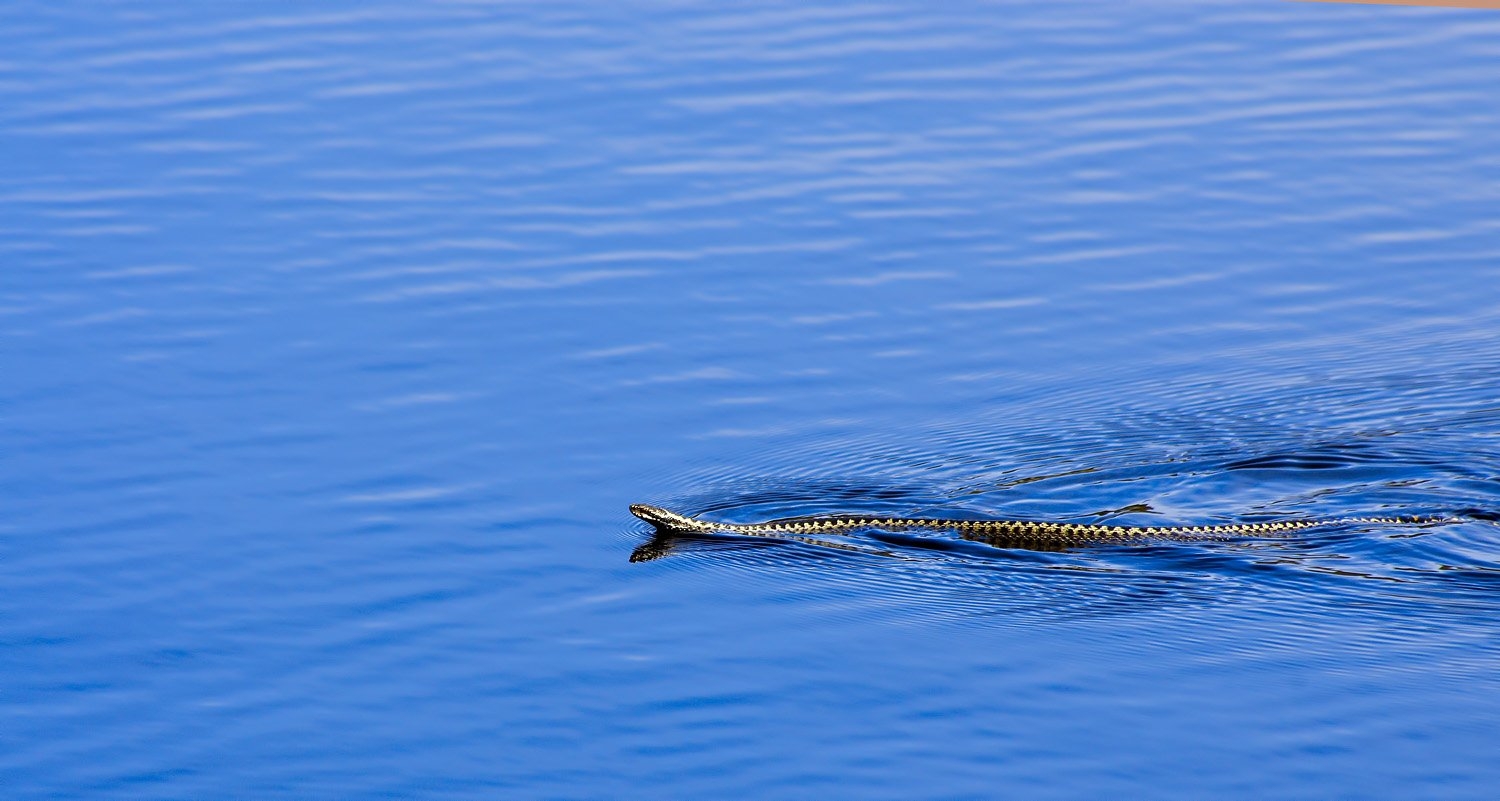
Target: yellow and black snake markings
{"x": 999, "y": 531}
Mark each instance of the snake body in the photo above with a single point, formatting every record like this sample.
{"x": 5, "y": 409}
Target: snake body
{"x": 1020, "y": 533}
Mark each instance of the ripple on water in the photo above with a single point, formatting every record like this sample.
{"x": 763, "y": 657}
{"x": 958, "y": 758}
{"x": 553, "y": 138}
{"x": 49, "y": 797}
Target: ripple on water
{"x": 1211, "y": 462}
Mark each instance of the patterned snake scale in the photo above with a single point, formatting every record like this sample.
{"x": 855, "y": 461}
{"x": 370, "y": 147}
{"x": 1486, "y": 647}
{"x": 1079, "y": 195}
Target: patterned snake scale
{"x": 1000, "y": 531}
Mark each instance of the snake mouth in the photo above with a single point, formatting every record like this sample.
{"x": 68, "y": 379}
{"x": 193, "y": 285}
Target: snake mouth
{"x": 661, "y": 518}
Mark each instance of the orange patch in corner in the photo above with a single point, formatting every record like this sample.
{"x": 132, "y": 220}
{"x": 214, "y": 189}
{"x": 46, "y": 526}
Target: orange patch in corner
{"x": 1493, "y": 4}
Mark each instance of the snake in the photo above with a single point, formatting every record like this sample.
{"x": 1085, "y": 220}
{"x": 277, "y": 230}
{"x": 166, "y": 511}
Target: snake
{"x": 1032, "y": 534}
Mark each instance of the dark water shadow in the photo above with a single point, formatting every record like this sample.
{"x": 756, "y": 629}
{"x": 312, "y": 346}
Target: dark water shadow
{"x": 1253, "y": 474}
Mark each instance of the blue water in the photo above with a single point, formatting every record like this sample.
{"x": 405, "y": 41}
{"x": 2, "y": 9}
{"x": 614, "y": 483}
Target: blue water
{"x": 335, "y": 340}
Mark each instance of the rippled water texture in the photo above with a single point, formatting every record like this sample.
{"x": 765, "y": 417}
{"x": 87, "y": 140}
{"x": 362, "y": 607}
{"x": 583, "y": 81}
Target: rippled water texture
{"x": 336, "y": 340}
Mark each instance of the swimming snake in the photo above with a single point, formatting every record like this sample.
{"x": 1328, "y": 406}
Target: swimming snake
{"x": 1005, "y": 533}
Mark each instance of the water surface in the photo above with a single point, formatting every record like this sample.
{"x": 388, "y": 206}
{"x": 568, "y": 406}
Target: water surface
{"x": 336, "y": 341}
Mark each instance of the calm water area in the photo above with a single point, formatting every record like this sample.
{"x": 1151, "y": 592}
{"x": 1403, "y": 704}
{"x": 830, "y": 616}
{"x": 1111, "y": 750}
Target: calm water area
{"x": 336, "y": 339}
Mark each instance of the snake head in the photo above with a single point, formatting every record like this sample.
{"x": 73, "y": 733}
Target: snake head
{"x": 663, "y": 519}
